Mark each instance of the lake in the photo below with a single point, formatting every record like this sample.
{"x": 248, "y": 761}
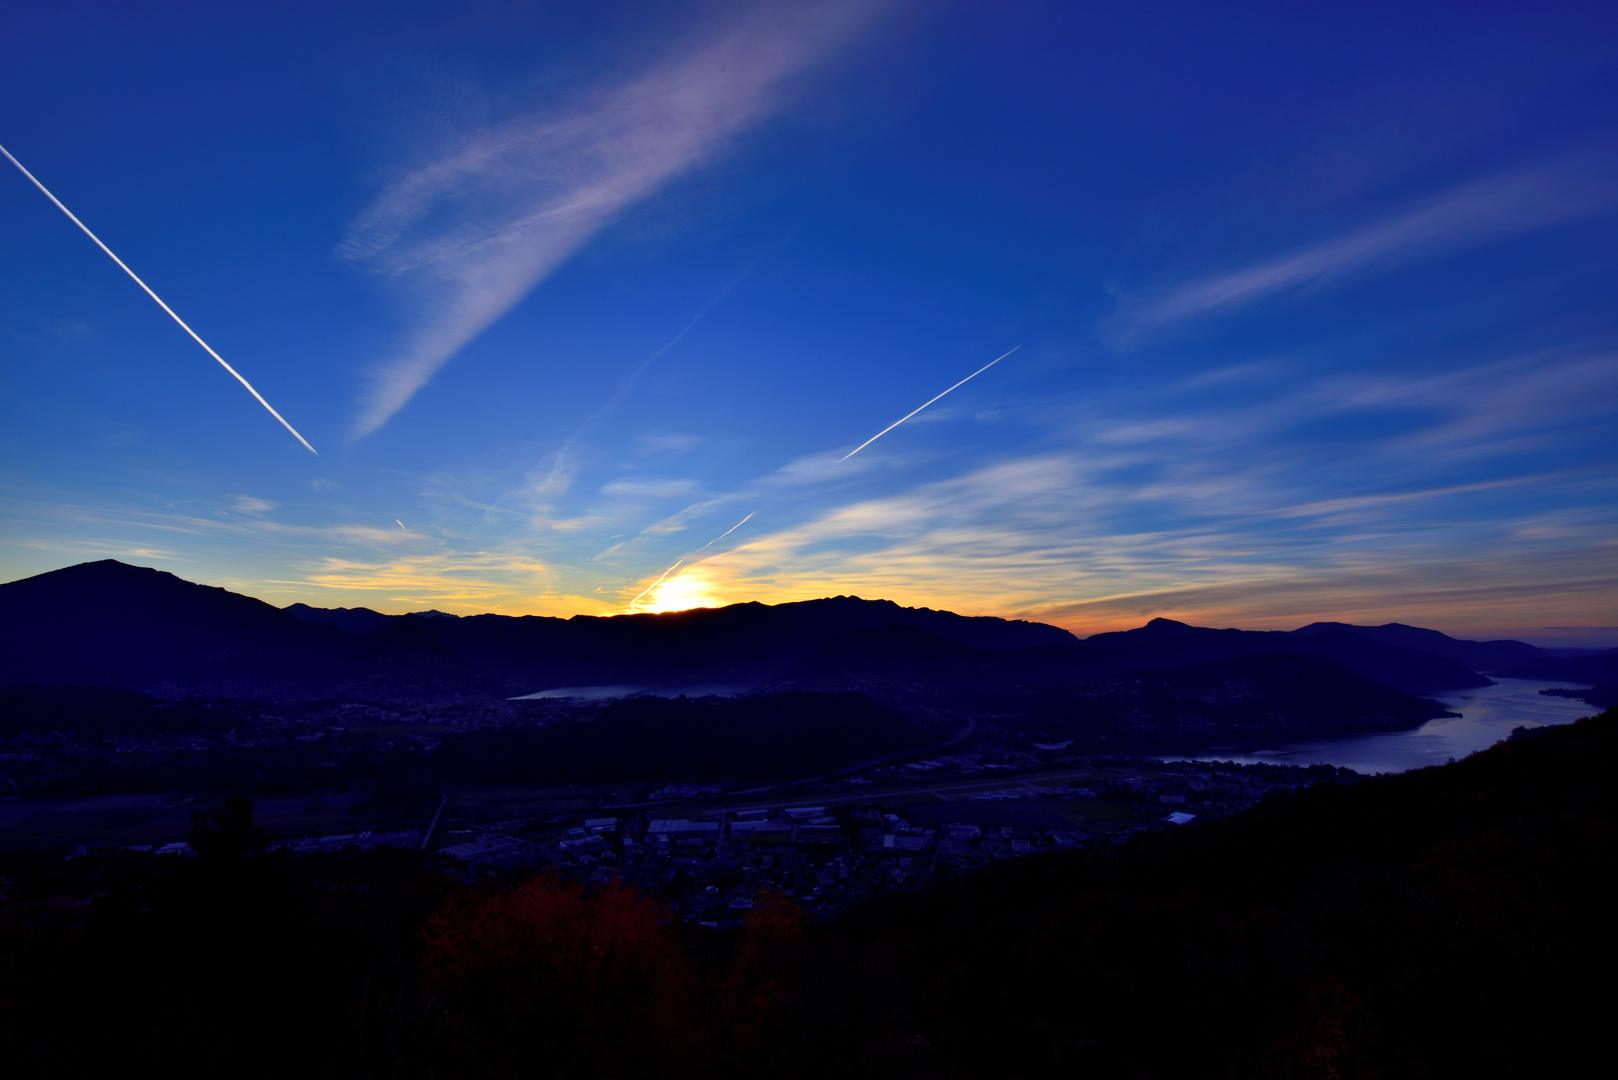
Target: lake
{"x": 1487, "y": 715}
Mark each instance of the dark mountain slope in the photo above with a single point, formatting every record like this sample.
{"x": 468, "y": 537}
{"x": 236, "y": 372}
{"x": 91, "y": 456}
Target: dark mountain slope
{"x": 897, "y": 657}
{"x": 1600, "y": 669}
{"x": 1386, "y": 928}
{"x": 1246, "y": 699}
{"x": 1155, "y": 631}
{"x": 1166, "y": 643}
{"x": 1489, "y": 657}
{"x": 359, "y": 620}
{"x": 1241, "y": 701}
{"x": 112, "y": 624}
{"x": 803, "y": 619}
{"x": 741, "y": 644}
{"x": 1600, "y": 672}
{"x": 903, "y": 657}
{"x": 107, "y": 623}
{"x": 1417, "y": 671}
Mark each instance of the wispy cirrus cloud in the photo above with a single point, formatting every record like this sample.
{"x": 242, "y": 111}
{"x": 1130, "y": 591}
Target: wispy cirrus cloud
{"x": 811, "y": 470}
{"x": 469, "y": 582}
{"x": 1150, "y": 494}
{"x": 1010, "y": 539}
{"x": 250, "y": 504}
{"x": 1476, "y": 213}
{"x": 472, "y": 231}
{"x": 650, "y": 488}
{"x": 1163, "y": 506}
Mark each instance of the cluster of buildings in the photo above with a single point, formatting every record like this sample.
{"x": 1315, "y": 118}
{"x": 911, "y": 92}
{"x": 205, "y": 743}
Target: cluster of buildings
{"x": 706, "y": 849}
{"x": 709, "y": 863}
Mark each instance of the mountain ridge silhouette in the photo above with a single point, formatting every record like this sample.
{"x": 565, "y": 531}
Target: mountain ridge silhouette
{"x": 110, "y": 623}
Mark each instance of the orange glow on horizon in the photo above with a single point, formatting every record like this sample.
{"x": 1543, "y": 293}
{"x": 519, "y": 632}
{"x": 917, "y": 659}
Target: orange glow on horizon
{"x": 679, "y": 593}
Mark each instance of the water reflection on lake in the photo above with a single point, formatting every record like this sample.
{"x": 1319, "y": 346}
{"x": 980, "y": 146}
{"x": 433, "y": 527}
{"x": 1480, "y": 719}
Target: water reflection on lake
{"x": 1487, "y": 715}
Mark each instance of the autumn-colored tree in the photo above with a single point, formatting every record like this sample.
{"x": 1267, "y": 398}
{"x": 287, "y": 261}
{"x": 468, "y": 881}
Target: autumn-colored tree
{"x": 544, "y": 979}
{"x": 1334, "y": 1041}
{"x": 763, "y": 984}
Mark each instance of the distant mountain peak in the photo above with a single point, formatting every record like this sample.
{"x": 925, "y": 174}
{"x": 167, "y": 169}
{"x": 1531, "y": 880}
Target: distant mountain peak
{"x": 1155, "y": 630}
{"x": 113, "y": 570}
{"x": 1486, "y": 656}
{"x": 359, "y": 620}
{"x": 1163, "y": 624}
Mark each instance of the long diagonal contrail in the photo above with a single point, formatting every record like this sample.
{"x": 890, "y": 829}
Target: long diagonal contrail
{"x": 699, "y": 550}
{"x": 159, "y": 300}
{"x": 630, "y": 377}
{"x": 654, "y": 584}
{"x": 928, "y": 402}
{"x": 726, "y": 533}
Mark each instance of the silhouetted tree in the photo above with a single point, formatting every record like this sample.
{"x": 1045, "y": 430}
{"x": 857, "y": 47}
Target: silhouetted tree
{"x": 226, "y": 830}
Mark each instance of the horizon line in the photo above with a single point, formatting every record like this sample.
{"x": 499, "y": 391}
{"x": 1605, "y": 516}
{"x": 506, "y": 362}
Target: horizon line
{"x": 764, "y": 603}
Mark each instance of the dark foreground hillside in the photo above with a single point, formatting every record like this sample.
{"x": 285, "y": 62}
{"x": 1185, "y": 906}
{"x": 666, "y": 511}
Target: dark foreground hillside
{"x": 1448, "y": 922}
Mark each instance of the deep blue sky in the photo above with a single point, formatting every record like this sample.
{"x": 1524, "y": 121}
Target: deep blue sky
{"x": 1315, "y": 306}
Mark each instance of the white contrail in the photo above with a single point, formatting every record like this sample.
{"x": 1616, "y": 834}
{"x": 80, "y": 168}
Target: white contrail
{"x": 654, "y": 584}
{"x": 704, "y": 547}
{"x": 630, "y": 377}
{"x": 726, "y": 533}
{"x": 401, "y": 524}
{"x": 928, "y": 402}
{"x": 634, "y": 374}
{"x": 159, "y": 300}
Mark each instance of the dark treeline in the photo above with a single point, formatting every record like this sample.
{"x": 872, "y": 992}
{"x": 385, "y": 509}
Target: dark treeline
{"x": 1446, "y": 922}
{"x": 1603, "y": 697}
{"x": 1242, "y": 701}
{"x": 778, "y": 737}
{"x": 642, "y": 739}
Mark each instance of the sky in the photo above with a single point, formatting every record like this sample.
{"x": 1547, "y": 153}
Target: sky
{"x": 594, "y": 308}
